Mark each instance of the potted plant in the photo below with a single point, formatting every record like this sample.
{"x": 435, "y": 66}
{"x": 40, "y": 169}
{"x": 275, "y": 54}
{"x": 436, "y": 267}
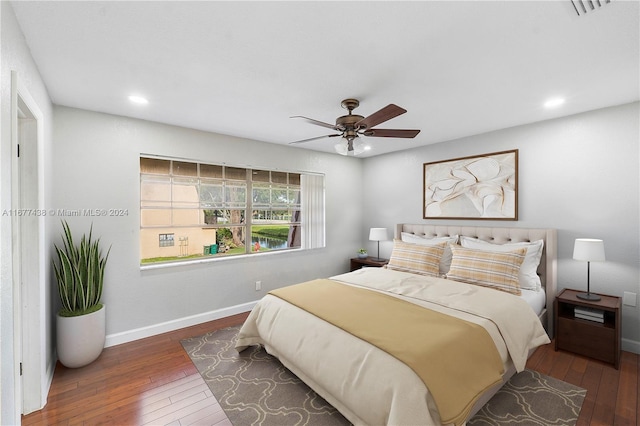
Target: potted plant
{"x": 81, "y": 322}
{"x": 362, "y": 253}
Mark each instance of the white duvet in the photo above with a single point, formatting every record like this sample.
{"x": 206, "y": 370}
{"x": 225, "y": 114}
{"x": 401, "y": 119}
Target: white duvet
{"x": 367, "y": 385}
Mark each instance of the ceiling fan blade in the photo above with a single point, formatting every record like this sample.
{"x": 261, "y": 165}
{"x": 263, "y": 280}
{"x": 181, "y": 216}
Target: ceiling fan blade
{"x": 380, "y": 116}
{"x": 391, "y": 133}
{"x": 313, "y": 139}
{"x": 317, "y": 123}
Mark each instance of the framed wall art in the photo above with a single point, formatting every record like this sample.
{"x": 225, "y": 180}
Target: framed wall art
{"x": 478, "y": 187}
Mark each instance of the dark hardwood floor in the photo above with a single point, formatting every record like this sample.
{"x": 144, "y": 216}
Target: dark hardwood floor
{"x": 152, "y": 381}
{"x": 149, "y": 381}
{"x": 613, "y": 396}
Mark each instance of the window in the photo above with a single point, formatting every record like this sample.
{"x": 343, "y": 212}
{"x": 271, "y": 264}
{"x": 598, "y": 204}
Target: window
{"x": 191, "y": 210}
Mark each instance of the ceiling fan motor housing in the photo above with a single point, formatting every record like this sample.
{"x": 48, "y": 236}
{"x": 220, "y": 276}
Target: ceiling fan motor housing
{"x": 347, "y": 122}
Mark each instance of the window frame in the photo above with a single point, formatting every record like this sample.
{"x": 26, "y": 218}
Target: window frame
{"x": 274, "y": 183}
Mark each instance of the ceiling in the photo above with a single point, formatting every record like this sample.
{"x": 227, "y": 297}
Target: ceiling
{"x": 243, "y": 68}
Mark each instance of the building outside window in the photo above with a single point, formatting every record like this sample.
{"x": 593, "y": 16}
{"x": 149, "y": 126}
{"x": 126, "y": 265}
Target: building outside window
{"x": 191, "y": 210}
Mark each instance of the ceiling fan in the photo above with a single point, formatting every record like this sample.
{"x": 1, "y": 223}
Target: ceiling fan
{"x": 351, "y": 126}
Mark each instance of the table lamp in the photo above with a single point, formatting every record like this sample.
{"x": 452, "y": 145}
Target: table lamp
{"x": 378, "y": 234}
{"x": 590, "y": 250}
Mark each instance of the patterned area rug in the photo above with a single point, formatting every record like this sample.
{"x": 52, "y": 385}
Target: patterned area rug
{"x": 530, "y": 398}
{"x": 253, "y": 388}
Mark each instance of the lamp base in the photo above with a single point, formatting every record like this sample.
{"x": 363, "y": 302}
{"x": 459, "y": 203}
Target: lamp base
{"x": 377, "y": 259}
{"x": 588, "y": 296}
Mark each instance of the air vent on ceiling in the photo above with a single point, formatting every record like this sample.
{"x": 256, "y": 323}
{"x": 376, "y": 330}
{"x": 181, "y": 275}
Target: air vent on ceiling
{"x": 583, "y": 7}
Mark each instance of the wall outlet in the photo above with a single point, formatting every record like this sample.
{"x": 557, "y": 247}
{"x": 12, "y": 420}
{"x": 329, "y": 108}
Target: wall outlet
{"x": 629, "y": 298}
{"x": 258, "y": 285}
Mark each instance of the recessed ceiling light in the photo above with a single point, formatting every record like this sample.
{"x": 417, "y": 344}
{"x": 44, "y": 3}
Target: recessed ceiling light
{"x": 138, "y": 100}
{"x": 555, "y": 102}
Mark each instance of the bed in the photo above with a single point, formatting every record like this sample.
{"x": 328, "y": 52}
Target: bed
{"x": 370, "y": 385}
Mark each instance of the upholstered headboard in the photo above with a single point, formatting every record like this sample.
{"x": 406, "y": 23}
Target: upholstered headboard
{"x": 499, "y": 235}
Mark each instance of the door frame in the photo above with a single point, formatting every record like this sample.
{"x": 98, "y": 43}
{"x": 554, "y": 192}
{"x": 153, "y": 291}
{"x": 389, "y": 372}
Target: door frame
{"x": 30, "y": 294}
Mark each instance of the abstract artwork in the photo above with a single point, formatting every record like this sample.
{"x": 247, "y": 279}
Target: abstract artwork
{"x": 478, "y": 187}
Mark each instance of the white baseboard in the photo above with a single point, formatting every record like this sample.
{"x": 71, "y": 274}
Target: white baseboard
{"x": 48, "y": 379}
{"x": 152, "y": 330}
{"x": 631, "y": 346}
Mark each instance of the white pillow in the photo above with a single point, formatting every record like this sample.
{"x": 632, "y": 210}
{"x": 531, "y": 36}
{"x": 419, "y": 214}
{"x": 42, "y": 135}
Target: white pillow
{"x": 445, "y": 261}
{"x": 528, "y": 274}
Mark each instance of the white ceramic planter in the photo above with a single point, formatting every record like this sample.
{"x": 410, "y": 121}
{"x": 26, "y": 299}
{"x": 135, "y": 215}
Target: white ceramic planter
{"x": 81, "y": 339}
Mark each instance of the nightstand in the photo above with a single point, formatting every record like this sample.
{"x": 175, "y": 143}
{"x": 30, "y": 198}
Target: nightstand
{"x": 357, "y": 263}
{"x": 598, "y": 337}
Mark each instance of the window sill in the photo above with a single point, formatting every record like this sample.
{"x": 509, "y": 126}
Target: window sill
{"x": 156, "y": 266}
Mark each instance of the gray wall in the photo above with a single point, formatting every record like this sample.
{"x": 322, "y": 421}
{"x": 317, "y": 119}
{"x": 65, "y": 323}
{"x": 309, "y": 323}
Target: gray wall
{"x": 578, "y": 174}
{"x": 96, "y": 159}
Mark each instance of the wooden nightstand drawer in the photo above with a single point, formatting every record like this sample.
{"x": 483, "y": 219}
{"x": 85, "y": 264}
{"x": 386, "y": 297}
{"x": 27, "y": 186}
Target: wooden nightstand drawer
{"x": 593, "y": 340}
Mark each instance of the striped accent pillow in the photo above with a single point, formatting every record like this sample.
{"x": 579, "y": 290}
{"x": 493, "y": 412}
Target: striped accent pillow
{"x": 416, "y": 259}
{"x": 487, "y": 268}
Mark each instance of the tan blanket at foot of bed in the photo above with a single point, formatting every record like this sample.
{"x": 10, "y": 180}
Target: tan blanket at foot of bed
{"x": 457, "y": 360}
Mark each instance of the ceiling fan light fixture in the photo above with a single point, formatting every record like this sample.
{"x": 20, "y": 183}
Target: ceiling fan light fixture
{"x": 342, "y": 147}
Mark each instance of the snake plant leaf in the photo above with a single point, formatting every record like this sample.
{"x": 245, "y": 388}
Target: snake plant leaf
{"x": 79, "y": 273}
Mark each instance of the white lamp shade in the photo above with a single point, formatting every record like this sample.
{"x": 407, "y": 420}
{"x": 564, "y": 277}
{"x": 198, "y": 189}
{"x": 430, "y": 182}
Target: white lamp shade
{"x": 588, "y": 249}
{"x": 378, "y": 234}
